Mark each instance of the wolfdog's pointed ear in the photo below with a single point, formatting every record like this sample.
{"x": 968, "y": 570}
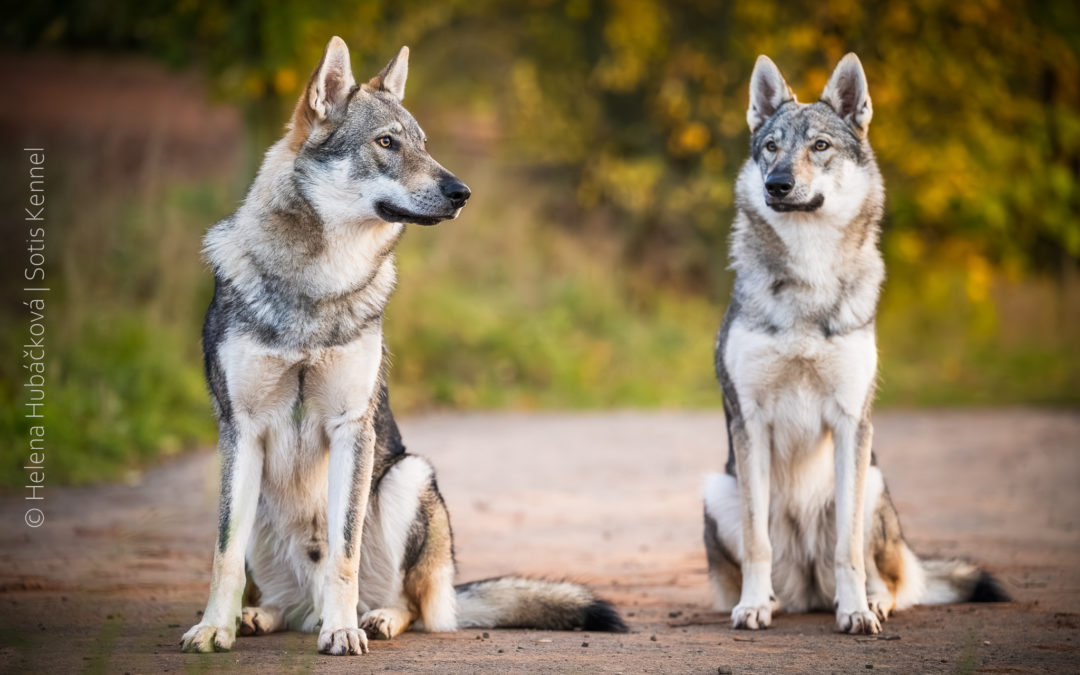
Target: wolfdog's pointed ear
{"x": 332, "y": 81}
{"x": 768, "y": 91}
{"x": 326, "y": 94}
{"x": 848, "y": 94}
{"x": 392, "y": 78}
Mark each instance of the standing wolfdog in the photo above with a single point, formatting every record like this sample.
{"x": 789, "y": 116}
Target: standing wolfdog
{"x": 802, "y": 507}
{"x": 338, "y": 527}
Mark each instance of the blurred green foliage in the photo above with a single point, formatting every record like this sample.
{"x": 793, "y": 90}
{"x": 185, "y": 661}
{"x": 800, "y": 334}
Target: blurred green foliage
{"x": 977, "y": 104}
{"x": 601, "y": 139}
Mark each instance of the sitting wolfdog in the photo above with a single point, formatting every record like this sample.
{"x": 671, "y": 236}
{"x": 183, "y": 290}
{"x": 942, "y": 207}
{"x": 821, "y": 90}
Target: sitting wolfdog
{"x": 339, "y": 529}
{"x": 802, "y": 509}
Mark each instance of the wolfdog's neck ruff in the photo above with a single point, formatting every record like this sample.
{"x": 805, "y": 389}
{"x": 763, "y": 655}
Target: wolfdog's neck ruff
{"x": 294, "y": 278}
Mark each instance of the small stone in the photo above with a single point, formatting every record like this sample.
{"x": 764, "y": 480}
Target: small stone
{"x": 584, "y": 644}
{"x": 486, "y": 636}
{"x": 869, "y": 666}
{"x": 653, "y": 638}
{"x": 500, "y": 651}
{"x": 723, "y": 670}
{"x": 675, "y": 614}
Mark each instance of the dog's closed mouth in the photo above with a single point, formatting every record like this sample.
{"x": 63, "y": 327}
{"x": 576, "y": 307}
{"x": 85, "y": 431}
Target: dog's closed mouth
{"x": 813, "y": 205}
{"x": 393, "y": 214}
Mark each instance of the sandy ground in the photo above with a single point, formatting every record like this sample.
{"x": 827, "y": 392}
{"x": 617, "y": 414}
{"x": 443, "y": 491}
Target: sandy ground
{"x": 118, "y": 572}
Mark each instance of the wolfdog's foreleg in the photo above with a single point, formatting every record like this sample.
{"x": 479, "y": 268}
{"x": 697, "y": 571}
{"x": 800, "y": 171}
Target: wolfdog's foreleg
{"x": 352, "y": 455}
{"x": 241, "y": 473}
{"x": 750, "y": 440}
{"x": 852, "y": 439}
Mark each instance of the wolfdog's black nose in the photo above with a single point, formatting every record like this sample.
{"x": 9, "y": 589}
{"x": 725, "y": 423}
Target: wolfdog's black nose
{"x": 779, "y": 184}
{"x": 456, "y": 191}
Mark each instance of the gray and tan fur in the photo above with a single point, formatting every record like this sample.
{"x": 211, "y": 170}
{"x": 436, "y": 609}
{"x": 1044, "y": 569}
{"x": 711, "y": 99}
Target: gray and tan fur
{"x": 802, "y": 520}
{"x": 326, "y": 523}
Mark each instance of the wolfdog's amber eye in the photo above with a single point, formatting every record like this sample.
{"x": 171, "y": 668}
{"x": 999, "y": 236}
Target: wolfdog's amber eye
{"x": 771, "y": 146}
{"x": 385, "y": 141}
{"x": 821, "y": 145}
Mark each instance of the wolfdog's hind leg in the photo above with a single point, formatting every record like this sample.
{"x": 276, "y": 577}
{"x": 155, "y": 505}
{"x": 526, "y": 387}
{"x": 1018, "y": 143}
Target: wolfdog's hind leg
{"x": 429, "y": 581}
{"x": 723, "y": 531}
{"x": 261, "y": 620}
{"x": 878, "y": 597}
{"x": 884, "y": 547}
{"x": 386, "y": 623}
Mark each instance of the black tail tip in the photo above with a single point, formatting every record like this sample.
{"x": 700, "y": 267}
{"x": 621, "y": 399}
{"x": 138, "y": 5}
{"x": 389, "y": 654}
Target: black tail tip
{"x": 988, "y": 589}
{"x": 601, "y": 616}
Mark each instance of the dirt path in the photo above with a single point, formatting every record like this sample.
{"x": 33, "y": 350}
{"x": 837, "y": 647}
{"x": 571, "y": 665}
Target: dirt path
{"x": 118, "y": 572}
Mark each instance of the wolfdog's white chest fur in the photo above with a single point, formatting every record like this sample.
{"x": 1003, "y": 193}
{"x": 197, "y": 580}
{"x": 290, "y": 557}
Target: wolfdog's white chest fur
{"x": 798, "y": 381}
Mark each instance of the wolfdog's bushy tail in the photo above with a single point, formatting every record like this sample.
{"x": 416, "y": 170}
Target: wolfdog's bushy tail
{"x": 958, "y": 581}
{"x": 516, "y": 602}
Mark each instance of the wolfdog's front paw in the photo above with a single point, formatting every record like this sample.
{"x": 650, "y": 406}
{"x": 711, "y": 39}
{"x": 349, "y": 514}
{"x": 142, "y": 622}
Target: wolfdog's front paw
{"x": 343, "y": 641}
{"x": 752, "y": 617}
{"x": 206, "y": 638}
{"x": 859, "y": 622}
